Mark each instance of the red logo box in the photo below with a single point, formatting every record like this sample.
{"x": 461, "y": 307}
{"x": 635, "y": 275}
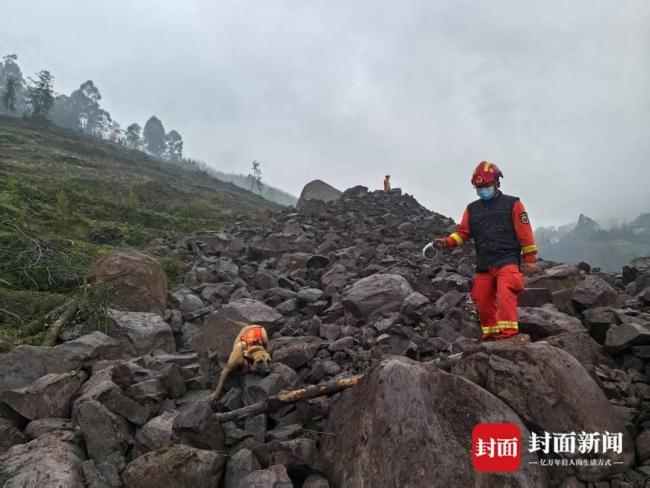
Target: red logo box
{"x": 496, "y": 447}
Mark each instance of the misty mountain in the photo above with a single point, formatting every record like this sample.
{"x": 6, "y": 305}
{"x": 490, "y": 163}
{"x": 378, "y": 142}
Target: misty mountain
{"x": 587, "y": 240}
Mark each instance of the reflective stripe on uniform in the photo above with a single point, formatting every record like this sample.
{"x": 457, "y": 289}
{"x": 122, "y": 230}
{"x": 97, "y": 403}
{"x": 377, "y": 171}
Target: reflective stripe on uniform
{"x": 527, "y": 249}
{"x": 457, "y": 238}
{"x": 490, "y": 330}
{"x": 505, "y": 324}
{"x": 486, "y": 166}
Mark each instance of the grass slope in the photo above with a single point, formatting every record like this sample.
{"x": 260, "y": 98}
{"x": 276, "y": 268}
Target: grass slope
{"x": 66, "y": 199}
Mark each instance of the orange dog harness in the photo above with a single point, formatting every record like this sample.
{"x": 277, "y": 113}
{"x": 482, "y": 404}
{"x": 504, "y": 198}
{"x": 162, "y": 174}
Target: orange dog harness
{"x": 250, "y": 340}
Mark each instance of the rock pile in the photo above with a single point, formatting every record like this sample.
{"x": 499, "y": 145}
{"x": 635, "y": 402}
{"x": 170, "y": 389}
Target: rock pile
{"x": 342, "y": 289}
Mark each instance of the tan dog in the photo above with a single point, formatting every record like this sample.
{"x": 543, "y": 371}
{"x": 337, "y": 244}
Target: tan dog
{"x": 248, "y": 353}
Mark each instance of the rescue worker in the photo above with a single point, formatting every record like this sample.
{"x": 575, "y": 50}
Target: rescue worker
{"x": 387, "y": 183}
{"x": 504, "y": 241}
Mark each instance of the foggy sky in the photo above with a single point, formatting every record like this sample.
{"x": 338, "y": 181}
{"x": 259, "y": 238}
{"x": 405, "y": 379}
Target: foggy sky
{"x": 556, "y": 92}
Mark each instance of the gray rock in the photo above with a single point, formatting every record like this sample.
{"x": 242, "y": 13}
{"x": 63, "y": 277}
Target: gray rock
{"x": 557, "y": 278}
{"x": 196, "y": 426}
{"x": 534, "y": 297}
{"x": 41, "y": 427}
{"x": 107, "y": 436}
{"x": 51, "y": 461}
{"x": 25, "y": 364}
{"x": 273, "y": 477}
{"x": 413, "y": 302}
{"x": 381, "y": 293}
{"x": 175, "y": 466}
{"x": 310, "y": 295}
{"x": 317, "y": 190}
{"x": 240, "y": 465}
{"x": 626, "y": 335}
{"x": 547, "y": 321}
{"x": 296, "y": 454}
{"x": 335, "y": 278}
{"x": 294, "y": 351}
{"x": 342, "y": 344}
{"x": 141, "y": 333}
{"x": 187, "y": 301}
{"x": 158, "y": 432}
{"x": 398, "y": 407}
{"x": 49, "y": 396}
{"x": 449, "y": 301}
{"x": 594, "y": 292}
{"x": 9, "y": 435}
{"x": 96, "y": 478}
{"x": 257, "y": 388}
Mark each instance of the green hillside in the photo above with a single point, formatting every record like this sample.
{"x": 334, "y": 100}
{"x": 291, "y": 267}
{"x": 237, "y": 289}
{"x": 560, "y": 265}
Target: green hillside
{"x": 65, "y": 199}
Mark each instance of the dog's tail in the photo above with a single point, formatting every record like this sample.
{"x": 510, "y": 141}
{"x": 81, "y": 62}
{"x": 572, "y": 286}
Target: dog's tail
{"x": 237, "y": 322}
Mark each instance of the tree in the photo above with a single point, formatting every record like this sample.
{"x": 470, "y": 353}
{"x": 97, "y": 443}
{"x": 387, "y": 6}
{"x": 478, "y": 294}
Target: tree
{"x": 133, "y": 139}
{"x": 256, "y": 176}
{"x": 9, "y": 70}
{"x": 40, "y": 96}
{"x": 81, "y": 111}
{"x": 154, "y": 136}
{"x": 174, "y": 149}
{"x": 9, "y": 96}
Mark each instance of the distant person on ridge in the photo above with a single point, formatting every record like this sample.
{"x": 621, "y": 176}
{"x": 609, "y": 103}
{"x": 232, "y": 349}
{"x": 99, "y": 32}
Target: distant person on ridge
{"x": 387, "y": 183}
{"x": 503, "y": 238}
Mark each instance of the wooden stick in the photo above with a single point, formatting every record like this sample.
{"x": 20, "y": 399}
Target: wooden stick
{"x": 53, "y": 332}
{"x": 37, "y": 325}
{"x": 287, "y": 397}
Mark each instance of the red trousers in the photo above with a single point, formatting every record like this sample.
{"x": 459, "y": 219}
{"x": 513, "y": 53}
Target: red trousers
{"x": 495, "y": 294}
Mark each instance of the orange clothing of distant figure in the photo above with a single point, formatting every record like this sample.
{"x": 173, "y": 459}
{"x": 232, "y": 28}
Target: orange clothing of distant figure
{"x": 386, "y": 184}
{"x": 523, "y": 230}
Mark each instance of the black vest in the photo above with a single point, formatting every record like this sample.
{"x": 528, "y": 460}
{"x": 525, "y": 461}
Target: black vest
{"x": 493, "y": 231}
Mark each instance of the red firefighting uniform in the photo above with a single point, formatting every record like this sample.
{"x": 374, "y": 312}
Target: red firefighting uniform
{"x": 503, "y": 237}
{"x": 386, "y": 184}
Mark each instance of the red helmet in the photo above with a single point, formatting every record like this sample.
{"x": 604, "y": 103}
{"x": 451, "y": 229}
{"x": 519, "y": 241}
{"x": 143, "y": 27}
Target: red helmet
{"x": 486, "y": 173}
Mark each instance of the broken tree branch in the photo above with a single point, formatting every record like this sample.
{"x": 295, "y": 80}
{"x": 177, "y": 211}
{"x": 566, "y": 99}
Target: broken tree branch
{"x": 38, "y": 324}
{"x": 287, "y": 397}
{"x": 53, "y": 332}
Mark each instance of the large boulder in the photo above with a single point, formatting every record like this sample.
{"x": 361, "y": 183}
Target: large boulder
{"x": 133, "y": 281}
{"x": 317, "y": 190}
{"x": 547, "y": 321}
{"x": 141, "y": 332}
{"x": 412, "y": 424}
{"x": 51, "y": 461}
{"x": 380, "y": 293}
{"x": 558, "y": 278}
{"x": 594, "y": 292}
{"x": 551, "y": 391}
{"x": 106, "y": 435}
{"x": 49, "y": 396}
{"x": 177, "y": 466}
{"x": 25, "y": 364}
{"x": 218, "y": 333}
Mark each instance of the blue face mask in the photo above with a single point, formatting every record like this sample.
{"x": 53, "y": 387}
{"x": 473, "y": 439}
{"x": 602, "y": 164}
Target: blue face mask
{"x": 486, "y": 192}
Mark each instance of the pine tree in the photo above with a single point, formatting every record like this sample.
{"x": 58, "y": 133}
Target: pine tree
{"x": 40, "y": 96}
{"x": 9, "y": 96}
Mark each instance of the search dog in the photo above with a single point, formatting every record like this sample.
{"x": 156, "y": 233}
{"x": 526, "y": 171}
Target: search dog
{"x": 248, "y": 353}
